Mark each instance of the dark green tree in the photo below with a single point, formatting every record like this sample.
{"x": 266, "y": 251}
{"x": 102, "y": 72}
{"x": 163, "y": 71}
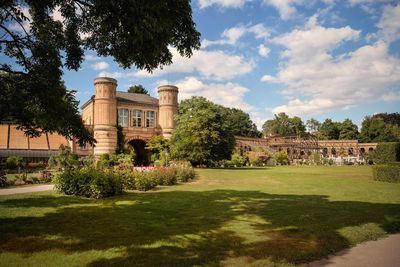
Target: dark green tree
{"x": 282, "y": 124}
{"x": 159, "y": 148}
{"x": 329, "y": 130}
{"x": 297, "y": 126}
{"x": 348, "y": 130}
{"x": 374, "y": 129}
{"x": 202, "y": 135}
{"x": 133, "y": 32}
{"x": 240, "y": 123}
{"x": 389, "y": 118}
{"x": 138, "y": 89}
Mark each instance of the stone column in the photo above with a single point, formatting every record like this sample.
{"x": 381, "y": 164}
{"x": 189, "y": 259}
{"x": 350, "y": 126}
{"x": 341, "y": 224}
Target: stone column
{"x": 105, "y": 116}
{"x": 168, "y": 107}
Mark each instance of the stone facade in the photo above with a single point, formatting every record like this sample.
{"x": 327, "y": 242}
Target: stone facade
{"x": 140, "y": 116}
{"x": 302, "y": 147}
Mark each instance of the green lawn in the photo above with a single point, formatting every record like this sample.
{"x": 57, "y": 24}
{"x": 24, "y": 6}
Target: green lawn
{"x": 237, "y": 217}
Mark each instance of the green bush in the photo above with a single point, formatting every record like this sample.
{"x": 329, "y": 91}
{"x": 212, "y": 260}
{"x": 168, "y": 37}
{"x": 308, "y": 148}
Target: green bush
{"x": 387, "y": 173}
{"x": 88, "y": 182}
{"x": 14, "y": 162}
{"x": 281, "y": 157}
{"x": 138, "y": 180}
{"x": 146, "y": 180}
{"x": 237, "y": 160}
{"x": 184, "y": 171}
{"x": 166, "y": 175}
{"x": 387, "y": 152}
{"x": 3, "y": 179}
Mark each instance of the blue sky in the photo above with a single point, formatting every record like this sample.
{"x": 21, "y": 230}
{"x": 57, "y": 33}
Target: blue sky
{"x": 322, "y": 59}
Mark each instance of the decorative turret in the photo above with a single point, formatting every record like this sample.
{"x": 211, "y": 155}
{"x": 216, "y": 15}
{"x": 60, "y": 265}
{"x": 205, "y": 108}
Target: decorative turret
{"x": 105, "y": 116}
{"x": 168, "y": 107}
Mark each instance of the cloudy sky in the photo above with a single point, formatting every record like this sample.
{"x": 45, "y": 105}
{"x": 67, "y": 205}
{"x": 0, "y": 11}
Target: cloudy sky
{"x": 309, "y": 58}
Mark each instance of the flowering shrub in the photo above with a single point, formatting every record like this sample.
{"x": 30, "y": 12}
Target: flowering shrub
{"x": 146, "y": 178}
{"x": 166, "y": 175}
{"x": 184, "y": 171}
{"x": 109, "y": 181}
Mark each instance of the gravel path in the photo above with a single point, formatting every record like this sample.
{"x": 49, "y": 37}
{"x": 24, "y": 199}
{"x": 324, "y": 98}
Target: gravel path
{"x": 380, "y": 253}
{"x": 25, "y": 189}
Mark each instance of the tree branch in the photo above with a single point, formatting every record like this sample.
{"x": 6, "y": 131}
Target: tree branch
{"x": 17, "y": 45}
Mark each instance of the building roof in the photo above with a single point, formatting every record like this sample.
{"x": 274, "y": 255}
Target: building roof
{"x": 137, "y": 98}
{"x": 130, "y": 98}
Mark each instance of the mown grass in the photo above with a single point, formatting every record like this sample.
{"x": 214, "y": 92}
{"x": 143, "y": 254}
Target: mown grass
{"x": 227, "y": 217}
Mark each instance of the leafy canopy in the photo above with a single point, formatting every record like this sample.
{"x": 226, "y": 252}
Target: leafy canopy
{"x": 282, "y": 124}
{"x": 240, "y": 122}
{"x": 37, "y": 48}
{"x": 138, "y": 89}
{"x": 385, "y": 128}
{"x": 202, "y": 135}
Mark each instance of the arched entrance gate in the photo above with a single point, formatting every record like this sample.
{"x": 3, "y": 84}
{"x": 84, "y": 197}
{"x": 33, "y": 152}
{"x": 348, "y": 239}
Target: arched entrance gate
{"x": 142, "y": 155}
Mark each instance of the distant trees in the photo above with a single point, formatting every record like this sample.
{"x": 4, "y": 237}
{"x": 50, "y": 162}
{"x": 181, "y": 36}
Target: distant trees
{"x": 313, "y": 126}
{"x": 329, "y": 130}
{"x": 240, "y": 122}
{"x": 381, "y": 127}
{"x": 282, "y": 124}
{"x": 138, "y": 89}
{"x": 348, "y": 130}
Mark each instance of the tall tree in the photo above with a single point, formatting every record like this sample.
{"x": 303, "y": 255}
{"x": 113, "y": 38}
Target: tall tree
{"x": 374, "y": 129}
{"x": 298, "y": 126}
{"x": 138, "y": 89}
{"x": 312, "y": 126}
{"x": 282, "y": 124}
{"x": 37, "y": 47}
{"x": 329, "y": 130}
{"x": 348, "y": 130}
{"x": 202, "y": 134}
{"x": 389, "y": 118}
{"x": 240, "y": 123}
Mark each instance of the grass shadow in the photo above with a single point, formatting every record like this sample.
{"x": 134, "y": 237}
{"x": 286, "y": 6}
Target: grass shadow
{"x": 183, "y": 228}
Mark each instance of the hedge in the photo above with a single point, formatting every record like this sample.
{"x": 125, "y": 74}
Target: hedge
{"x": 387, "y": 152}
{"x": 387, "y": 173}
{"x": 89, "y": 182}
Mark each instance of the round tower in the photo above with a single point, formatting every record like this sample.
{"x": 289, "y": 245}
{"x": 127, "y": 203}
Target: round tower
{"x": 105, "y": 116}
{"x": 168, "y": 105}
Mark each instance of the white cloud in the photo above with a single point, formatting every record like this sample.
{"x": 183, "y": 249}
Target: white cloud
{"x": 227, "y": 94}
{"x": 116, "y": 74}
{"x": 263, "y": 50}
{"x": 358, "y": 2}
{"x": 268, "y": 78}
{"x": 259, "y": 31}
{"x": 215, "y": 65}
{"x": 222, "y": 3}
{"x": 25, "y": 25}
{"x": 389, "y": 23}
{"x": 102, "y": 65}
{"x": 316, "y": 81}
{"x": 286, "y": 8}
{"x": 231, "y": 36}
{"x": 91, "y": 57}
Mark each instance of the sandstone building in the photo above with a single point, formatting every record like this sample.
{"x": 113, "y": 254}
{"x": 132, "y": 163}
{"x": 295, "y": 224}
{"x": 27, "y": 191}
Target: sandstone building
{"x": 141, "y": 117}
